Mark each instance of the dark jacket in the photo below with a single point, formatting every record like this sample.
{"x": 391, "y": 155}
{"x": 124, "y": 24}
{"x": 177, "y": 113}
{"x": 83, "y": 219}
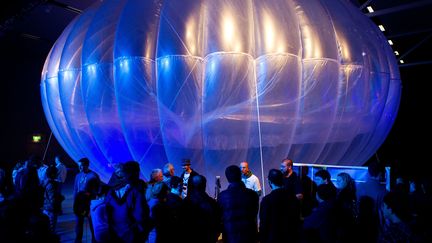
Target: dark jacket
{"x": 202, "y": 216}
{"x": 320, "y": 225}
{"x": 189, "y": 184}
{"x": 239, "y": 208}
{"x": 280, "y": 217}
{"x": 128, "y": 216}
{"x": 293, "y": 184}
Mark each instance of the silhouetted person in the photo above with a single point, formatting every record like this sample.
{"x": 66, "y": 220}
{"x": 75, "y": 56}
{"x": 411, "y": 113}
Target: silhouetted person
{"x": 162, "y": 218}
{"x": 291, "y": 180}
{"x": 323, "y": 177}
{"x": 174, "y": 200}
{"x": 279, "y": 213}
{"x": 320, "y": 225}
{"x": 370, "y": 195}
{"x": 420, "y": 208}
{"x": 239, "y": 208}
{"x": 396, "y": 213}
{"x": 127, "y": 208}
{"x": 202, "y": 216}
{"x": 309, "y": 192}
{"x": 86, "y": 188}
{"x": 168, "y": 172}
{"x": 346, "y": 208}
{"x": 155, "y": 177}
{"x": 52, "y": 197}
{"x": 34, "y": 226}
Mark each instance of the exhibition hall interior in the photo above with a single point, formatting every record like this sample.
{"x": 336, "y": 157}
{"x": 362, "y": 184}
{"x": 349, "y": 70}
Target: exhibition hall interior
{"x": 133, "y": 93}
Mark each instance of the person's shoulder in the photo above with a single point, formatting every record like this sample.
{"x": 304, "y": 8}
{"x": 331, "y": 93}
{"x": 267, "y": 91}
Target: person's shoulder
{"x": 254, "y": 177}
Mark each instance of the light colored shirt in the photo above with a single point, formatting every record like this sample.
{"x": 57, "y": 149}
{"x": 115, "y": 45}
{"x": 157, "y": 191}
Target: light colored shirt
{"x": 61, "y": 172}
{"x": 122, "y": 191}
{"x": 185, "y": 184}
{"x": 252, "y": 182}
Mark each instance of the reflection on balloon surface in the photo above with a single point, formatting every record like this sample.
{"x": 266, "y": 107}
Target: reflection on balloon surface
{"x": 220, "y": 82}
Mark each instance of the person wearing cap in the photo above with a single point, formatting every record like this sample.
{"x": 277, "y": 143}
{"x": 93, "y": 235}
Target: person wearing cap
{"x": 86, "y": 188}
{"x": 250, "y": 180}
{"x": 187, "y": 176}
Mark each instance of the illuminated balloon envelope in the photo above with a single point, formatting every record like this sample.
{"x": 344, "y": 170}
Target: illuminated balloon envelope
{"x": 220, "y": 82}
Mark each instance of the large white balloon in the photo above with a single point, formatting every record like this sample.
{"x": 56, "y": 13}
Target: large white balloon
{"x": 221, "y": 82}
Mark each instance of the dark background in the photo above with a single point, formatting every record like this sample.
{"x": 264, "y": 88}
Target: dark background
{"x": 28, "y": 29}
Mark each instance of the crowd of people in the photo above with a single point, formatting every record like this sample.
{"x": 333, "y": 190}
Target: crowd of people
{"x": 170, "y": 208}
{"x": 31, "y": 203}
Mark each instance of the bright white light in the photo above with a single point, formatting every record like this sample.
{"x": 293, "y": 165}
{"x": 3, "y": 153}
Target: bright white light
{"x": 401, "y": 61}
{"x": 67, "y": 74}
{"x": 228, "y": 29}
{"x": 124, "y": 65}
{"x": 370, "y": 9}
{"x": 91, "y": 69}
{"x": 165, "y": 62}
{"x": 270, "y": 32}
{"x": 396, "y": 53}
{"x": 390, "y": 42}
{"x": 381, "y": 27}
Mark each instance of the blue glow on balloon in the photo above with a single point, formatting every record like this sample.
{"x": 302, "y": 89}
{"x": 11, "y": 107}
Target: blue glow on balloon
{"x": 124, "y": 65}
{"x": 165, "y": 61}
{"x": 220, "y": 82}
{"x": 91, "y": 70}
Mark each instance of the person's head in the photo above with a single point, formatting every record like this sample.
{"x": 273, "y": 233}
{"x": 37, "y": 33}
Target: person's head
{"x": 275, "y": 178}
{"x": 156, "y": 175}
{"x": 131, "y": 171}
{"x": 58, "y": 159}
{"x": 344, "y": 180}
{"x": 199, "y": 183}
{"x": 233, "y": 174}
{"x": 244, "y": 167}
{"x": 168, "y": 170}
{"x": 118, "y": 169}
{"x": 186, "y": 165}
{"x": 83, "y": 165}
{"x": 396, "y": 204}
{"x": 286, "y": 166}
{"x": 325, "y": 192}
{"x": 322, "y": 177}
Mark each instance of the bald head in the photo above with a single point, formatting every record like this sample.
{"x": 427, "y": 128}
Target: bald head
{"x": 244, "y": 167}
{"x": 286, "y": 166}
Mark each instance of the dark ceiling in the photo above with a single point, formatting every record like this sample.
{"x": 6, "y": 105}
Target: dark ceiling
{"x": 28, "y": 29}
